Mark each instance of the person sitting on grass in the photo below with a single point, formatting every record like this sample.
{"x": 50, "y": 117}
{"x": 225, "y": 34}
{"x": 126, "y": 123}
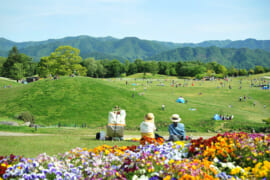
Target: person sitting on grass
{"x": 148, "y": 126}
{"x": 176, "y": 129}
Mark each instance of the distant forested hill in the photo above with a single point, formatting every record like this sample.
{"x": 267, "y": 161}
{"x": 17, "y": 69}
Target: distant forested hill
{"x": 130, "y": 48}
{"x": 133, "y": 48}
{"x": 239, "y": 58}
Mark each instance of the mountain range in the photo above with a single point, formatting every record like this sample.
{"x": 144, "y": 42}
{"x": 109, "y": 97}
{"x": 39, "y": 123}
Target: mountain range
{"x": 242, "y": 53}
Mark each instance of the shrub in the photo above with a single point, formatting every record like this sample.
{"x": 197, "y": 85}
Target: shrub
{"x": 27, "y": 117}
{"x": 267, "y": 121}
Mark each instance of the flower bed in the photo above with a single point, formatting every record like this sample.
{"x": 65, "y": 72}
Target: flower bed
{"x": 226, "y": 156}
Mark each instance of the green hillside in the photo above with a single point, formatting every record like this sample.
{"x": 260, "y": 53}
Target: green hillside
{"x": 127, "y": 48}
{"x": 70, "y": 101}
{"x": 239, "y": 58}
{"x": 8, "y": 82}
{"x": 130, "y": 48}
{"x": 85, "y": 100}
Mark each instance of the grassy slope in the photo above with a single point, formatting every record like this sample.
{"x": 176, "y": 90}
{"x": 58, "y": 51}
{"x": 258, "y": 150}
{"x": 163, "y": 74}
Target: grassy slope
{"x": 7, "y": 82}
{"x": 149, "y": 75}
{"x": 70, "y": 100}
{"x": 85, "y": 100}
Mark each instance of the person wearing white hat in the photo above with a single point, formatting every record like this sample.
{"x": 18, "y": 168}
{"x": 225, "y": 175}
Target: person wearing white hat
{"x": 176, "y": 129}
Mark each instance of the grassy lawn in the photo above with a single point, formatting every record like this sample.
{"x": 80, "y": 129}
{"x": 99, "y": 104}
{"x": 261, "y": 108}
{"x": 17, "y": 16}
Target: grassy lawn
{"x": 81, "y": 100}
{"x": 59, "y": 140}
{"x": 31, "y": 146}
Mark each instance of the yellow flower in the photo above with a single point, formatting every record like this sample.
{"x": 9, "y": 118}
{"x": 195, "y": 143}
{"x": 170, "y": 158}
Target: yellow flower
{"x": 3, "y": 165}
{"x": 107, "y": 152}
{"x": 167, "y": 177}
{"x": 236, "y": 170}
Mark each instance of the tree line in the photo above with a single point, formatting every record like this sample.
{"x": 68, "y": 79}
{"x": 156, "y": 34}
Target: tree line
{"x": 66, "y": 60}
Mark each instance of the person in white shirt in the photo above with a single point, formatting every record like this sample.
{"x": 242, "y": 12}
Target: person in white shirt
{"x": 148, "y": 126}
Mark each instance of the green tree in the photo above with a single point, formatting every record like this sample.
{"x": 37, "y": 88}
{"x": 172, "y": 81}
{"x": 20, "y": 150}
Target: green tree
{"x": 91, "y": 66}
{"x": 243, "y": 72}
{"x": 46, "y": 67}
{"x": 179, "y": 65}
{"x": 8, "y": 66}
{"x": 2, "y": 61}
{"x": 251, "y": 71}
{"x": 101, "y": 70}
{"x": 140, "y": 65}
{"x": 17, "y": 65}
{"x": 258, "y": 69}
{"x": 163, "y": 67}
{"x": 220, "y": 69}
{"x": 114, "y": 68}
{"x": 154, "y": 68}
{"x": 132, "y": 69}
{"x": 126, "y": 65}
{"x": 172, "y": 71}
{"x": 64, "y": 61}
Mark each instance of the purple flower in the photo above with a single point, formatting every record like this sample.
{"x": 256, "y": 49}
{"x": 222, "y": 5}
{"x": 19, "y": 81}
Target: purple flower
{"x": 41, "y": 176}
{"x": 26, "y": 176}
{"x": 5, "y": 176}
{"x": 45, "y": 171}
{"x": 58, "y": 173}
{"x": 52, "y": 170}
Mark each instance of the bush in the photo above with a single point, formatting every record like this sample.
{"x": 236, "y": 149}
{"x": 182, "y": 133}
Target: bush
{"x": 123, "y": 75}
{"x": 219, "y": 75}
{"x": 267, "y": 121}
{"x": 27, "y": 117}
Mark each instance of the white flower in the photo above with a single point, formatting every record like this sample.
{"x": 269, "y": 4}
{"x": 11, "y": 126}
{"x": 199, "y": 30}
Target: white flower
{"x": 143, "y": 177}
{"x": 230, "y": 165}
{"x": 216, "y": 160}
{"x": 142, "y": 171}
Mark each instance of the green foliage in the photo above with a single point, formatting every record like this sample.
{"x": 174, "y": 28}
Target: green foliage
{"x": 91, "y": 66}
{"x": 17, "y": 66}
{"x": 258, "y": 69}
{"x": 243, "y": 72}
{"x": 133, "y": 48}
{"x": 2, "y": 60}
{"x": 267, "y": 121}
{"x": 239, "y": 58}
{"x": 64, "y": 61}
{"x": 27, "y": 117}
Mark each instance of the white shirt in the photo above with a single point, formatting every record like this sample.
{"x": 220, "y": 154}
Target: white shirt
{"x": 147, "y": 127}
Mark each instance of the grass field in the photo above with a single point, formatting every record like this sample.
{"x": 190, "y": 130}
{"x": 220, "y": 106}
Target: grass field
{"x": 59, "y": 140}
{"x": 82, "y": 100}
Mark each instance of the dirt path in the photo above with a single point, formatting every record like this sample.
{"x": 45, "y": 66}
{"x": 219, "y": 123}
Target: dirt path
{"x": 2, "y": 133}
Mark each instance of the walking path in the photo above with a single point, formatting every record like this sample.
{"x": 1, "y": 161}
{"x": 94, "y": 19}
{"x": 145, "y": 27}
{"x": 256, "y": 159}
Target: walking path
{"x": 2, "y": 133}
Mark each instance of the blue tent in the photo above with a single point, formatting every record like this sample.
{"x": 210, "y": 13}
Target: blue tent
{"x": 180, "y": 100}
{"x": 266, "y": 87}
{"x": 217, "y": 117}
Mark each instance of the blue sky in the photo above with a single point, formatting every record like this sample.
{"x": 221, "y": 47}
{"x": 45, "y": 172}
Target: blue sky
{"x": 163, "y": 20}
